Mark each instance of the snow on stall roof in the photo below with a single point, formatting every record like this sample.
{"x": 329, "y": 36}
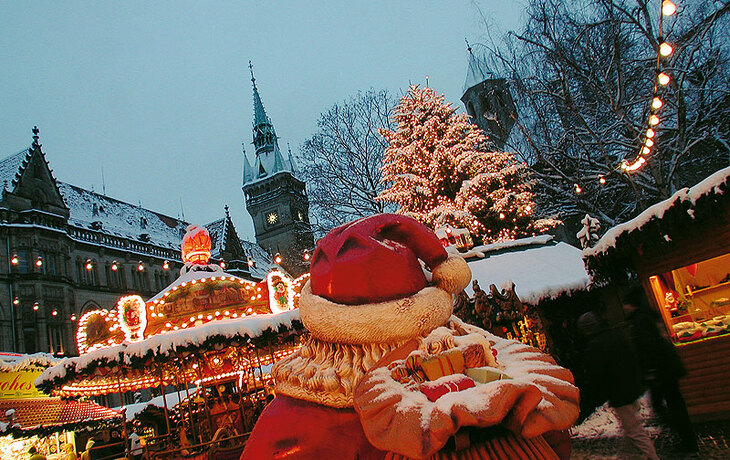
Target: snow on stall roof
{"x": 120, "y": 218}
{"x": 710, "y": 185}
{"x": 200, "y": 272}
{"x": 11, "y": 362}
{"x": 169, "y": 342}
{"x": 539, "y": 269}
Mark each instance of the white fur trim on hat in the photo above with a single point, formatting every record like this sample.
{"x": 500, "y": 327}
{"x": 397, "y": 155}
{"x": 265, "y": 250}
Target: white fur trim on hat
{"x": 384, "y": 322}
{"x": 453, "y": 274}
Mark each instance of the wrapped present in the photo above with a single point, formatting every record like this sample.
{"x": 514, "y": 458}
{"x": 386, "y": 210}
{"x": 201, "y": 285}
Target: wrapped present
{"x": 400, "y": 374}
{"x": 474, "y": 356}
{"x": 446, "y": 363}
{"x": 434, "y": 390}
{"x": 486, "y": 374}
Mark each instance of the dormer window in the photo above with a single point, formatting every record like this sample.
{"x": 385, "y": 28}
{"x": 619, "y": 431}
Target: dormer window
{"x": 143, "y": 222}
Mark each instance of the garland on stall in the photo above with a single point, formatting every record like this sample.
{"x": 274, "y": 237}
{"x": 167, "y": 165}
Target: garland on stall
{"x": 16, "y": 431}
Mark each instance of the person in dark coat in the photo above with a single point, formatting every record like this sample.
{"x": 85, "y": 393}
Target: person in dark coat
{"x": 662, "y": 367}
{"x": 612, "y": 374}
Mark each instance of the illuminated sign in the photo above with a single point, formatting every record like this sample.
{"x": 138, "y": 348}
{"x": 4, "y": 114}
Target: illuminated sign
{"x": 19, "y": 385}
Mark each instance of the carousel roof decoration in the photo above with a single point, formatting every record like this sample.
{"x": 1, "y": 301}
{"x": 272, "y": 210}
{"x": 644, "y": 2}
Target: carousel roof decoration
{"x": 48, "y": 415}
{"x": 191, "y": 323}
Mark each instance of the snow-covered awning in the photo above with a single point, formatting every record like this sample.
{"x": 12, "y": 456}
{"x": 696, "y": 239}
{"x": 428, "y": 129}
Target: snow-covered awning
{"x": 540, "y": 268}
{"x": 99, "y": 370}
{"x": 711, "y": 187}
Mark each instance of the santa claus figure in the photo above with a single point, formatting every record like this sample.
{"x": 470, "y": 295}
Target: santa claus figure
{"x": 388, "y": 372}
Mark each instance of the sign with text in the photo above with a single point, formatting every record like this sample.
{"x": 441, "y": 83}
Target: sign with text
{"x": 19, "y": 385}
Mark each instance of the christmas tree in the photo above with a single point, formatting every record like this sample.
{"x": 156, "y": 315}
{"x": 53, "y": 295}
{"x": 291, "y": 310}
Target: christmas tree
{"x": 439, "y": 171}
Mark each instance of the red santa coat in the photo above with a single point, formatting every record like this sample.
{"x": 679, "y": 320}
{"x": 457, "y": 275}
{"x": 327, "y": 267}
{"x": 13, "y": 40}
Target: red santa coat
{"x": 291, "y": 428}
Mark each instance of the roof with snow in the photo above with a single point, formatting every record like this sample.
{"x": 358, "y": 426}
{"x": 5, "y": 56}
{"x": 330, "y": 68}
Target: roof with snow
{"x": 10, "y": 168}
{"x": 539, "y": 267}
{"x": 163, "y": 347}
{"x": 12, "y": 362}
{"x": 686, "y": 205}
{"x": 99, "y": 212}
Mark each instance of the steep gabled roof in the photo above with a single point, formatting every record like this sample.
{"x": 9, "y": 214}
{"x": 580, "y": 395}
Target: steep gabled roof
{"x": 12, "y": 167}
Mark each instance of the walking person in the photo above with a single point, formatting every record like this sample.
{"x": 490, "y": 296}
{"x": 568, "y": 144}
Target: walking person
{"x": 662, "y": 368}
{"x": 612, "y": 374}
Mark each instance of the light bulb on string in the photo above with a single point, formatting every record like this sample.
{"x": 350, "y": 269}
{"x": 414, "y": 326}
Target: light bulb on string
{"x": 578, "y": 189}
{"x": 601, "y": 180}
{"x": 649, "y": 143}
{"x": 653, "y": 120}
{"x": 663, "y": 79}
{"x": 665, "y": 49}
{"x": 656, "y": 103}
{"x": 668, "y": 8}
{"x": 645, "y": 150}
{"x": 650, "y": 133}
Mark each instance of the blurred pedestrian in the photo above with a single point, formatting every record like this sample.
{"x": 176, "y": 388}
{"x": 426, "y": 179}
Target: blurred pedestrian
{"x": 662, "y": 367}
{"x": 612, "y": 374}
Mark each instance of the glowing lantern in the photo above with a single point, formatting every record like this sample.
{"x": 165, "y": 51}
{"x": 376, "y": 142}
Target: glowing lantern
{"x": 16, "y": 301}
{"x": 89, "y": 265}
{"x": 165, "y": 265}
{"x": 602, "y": 180}
{"x": 277, "y": 258}
{"x": 115, "y": 266}
{"x": 196, "y": 245}
{"x": 36, "y": 306}
{"x": 15, "y": 260}
{"x": 39, "y": 262}
{"x": 132, "y": 317}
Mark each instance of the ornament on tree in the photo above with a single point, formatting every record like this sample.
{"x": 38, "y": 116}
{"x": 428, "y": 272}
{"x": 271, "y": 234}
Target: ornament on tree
{"x": 588, "y": 235}
{"x": 439, "y": 171}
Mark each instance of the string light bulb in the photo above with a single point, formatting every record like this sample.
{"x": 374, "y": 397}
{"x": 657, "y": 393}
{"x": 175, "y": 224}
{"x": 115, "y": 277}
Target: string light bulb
{"x": 36, "y": 306}
{"x": 73, "y": 317}
{"x": 663, "y": 79}
{"x": 645, "y": 150}
{"x": 578, "y": 189}
{"x": 656, "y": 103}
{"x": 165, "y": 265}
{"x": 649, "y": 143}
{"x": 223, "y": 264}
{"x": 650, "y": 133}
{"x": 665, "y": 49}
{"x": 307, "y": 256}
{"x": 89, "y": 266}
{"x": 140, "y": 266}
{"x": 39, "y": 262}
{"x": 277, "y": 258}
{"x": 250, "y": 262}
{"x": 16, "y": 301}
{"x": 15, "y": 260}
{"x": 115, "y": 266}
{"x": 601, "y": 180}
{"x": 653, "y": 120}
{"x": 54, "y": 313}
{"x": 668, "y": 8}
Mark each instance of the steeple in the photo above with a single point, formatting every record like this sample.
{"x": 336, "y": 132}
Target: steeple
{"x": 248, "y": 174}
{"x": 264, "y": 135}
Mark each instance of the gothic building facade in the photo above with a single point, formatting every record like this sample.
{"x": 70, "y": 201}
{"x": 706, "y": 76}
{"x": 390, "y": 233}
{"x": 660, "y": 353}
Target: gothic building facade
{"x": 275, "y": 198}
{"x": 65, "y": 251}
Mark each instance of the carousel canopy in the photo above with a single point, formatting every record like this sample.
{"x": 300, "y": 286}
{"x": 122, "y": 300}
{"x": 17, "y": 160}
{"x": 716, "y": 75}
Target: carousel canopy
{"x": 43, "y": 415}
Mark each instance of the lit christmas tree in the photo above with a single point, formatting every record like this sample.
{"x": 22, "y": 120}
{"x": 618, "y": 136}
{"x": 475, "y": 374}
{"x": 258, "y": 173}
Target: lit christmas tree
{"x": 439, "y": 172}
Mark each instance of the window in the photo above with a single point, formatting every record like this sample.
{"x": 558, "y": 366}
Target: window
{"x": 55, "y": 337}
{"x": 49, "y": 263}
{"x": 694, "y": 300}
{"x": 86, "y": 276}
{"x": 23, "y": 263}
{"x": 115, "y": 278}
{"x": 29, "y": 339}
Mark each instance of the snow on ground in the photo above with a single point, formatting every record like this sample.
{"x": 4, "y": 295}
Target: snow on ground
{"x": 604, "y": 424}
{"x": 539, "y": 270}
{"x": 133, "y": 409}
{"x": 709, "y": 185}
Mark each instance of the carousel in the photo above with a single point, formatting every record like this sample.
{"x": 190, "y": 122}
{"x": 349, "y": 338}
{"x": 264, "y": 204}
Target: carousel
{"x": 205, "y": 345}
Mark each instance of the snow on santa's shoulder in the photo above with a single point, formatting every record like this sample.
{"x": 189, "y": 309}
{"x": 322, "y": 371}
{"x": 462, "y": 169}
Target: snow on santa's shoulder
{"x": 169, "y": 342}
{"x": 710, "y": 185}
{"x": 539, "y": 268}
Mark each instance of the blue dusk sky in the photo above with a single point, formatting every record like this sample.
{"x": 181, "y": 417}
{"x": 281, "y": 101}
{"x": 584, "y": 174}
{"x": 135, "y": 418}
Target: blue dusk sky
{"x": 158, "y": 94}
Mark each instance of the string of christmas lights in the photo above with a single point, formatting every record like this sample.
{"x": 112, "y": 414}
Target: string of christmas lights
{"x": 661, "y": 80}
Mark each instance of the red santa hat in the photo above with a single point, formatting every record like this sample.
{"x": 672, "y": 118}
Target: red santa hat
{"x": 367, "y": 284}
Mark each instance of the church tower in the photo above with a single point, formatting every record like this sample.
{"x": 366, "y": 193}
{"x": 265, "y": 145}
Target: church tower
{"x": 488, "y": 101}
{"x": 275, "y": 198}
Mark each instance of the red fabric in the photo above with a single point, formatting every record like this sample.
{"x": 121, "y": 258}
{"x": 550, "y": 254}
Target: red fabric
{"x": 434, "y": 391}
{"x": 294, "y": 429}
{"x": 374, "y": 259}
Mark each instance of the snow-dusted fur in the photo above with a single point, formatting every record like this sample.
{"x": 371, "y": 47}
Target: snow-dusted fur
{"x": 384, "y": 322}
{"x": 453, "y": 274}
{"x": 325, "y": 372}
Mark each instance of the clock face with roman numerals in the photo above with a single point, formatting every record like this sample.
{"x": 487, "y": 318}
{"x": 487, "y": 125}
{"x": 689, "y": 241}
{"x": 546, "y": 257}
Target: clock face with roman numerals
{"x": 272, "y": 218}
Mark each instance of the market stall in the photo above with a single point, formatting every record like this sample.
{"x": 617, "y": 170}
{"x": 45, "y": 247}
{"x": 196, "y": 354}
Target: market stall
{"x": 209, "y": 339}
{"x": 32, "y": 419}
{"x": 680, "y": 250}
